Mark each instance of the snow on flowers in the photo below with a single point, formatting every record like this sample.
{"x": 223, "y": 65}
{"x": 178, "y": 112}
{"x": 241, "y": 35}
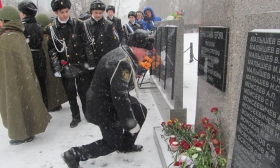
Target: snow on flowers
{"x": 195, "y": 149}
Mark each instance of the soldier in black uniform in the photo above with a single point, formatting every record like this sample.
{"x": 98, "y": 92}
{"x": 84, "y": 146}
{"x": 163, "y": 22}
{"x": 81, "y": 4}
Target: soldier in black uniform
{"x": 34, "y": 37}
{"x": 109, "y": 104}
{"x": 100, "y": 32}
{"x": 130, "y": 27}
{"x": 71, "y": 55}
{"x": 110, "y": 10}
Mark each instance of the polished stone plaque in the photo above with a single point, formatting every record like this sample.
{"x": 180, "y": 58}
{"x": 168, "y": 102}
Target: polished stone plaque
{"x": 257, "y": 137}
{"x": 212, "y": 55}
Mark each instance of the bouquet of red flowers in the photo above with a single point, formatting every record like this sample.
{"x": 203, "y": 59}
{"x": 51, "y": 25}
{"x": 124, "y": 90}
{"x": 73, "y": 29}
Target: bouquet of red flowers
{"x": 200, "y": 149}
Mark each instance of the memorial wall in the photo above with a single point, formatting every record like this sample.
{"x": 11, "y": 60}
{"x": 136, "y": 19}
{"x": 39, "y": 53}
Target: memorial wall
{"x": 257, "y": 138}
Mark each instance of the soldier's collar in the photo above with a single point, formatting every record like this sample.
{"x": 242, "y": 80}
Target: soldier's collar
{"x": 58, "y": 22}
{"x": 129, "y": 51}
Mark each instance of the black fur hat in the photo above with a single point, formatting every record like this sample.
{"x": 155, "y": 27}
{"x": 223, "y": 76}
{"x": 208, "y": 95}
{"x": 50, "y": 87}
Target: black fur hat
{"x": 60, "y": 4}
{"x": 28, "y": 8}
{"x": 110, "y": 7}
{"x": 131, "y": 13}
{"x": 141, "y": 39}
{"x": 97, "y": 5}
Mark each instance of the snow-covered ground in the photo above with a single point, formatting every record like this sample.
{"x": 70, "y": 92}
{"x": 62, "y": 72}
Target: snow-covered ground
{"x": 44, "y": 151}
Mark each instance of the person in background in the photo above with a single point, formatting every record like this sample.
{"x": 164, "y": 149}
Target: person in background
{"x": 100, "y": 33}
{"x": 109, "y": 104}
{"x": 130, "y": 27}
{"x": 71, "y": 56}
{"x": 22, "y": 109}
{"x": 34, "y": 37}
{"x": 55, "y": 91}
{"x": 140, "y": 20}
{"x": 150, "y": 18}
{"x": 110, "y": 10}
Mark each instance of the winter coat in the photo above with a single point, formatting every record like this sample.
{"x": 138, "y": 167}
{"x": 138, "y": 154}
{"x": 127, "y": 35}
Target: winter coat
{"x": 77, "y": 56}
{"x": 21, "y": 106}
{"x": 118, "y": 25}
{"x": 142, "y": 23}
{"x": 128, "y": 29}
{"x": 55, "y": 90}
{"x": 108, "y": 99}
{"x": 34, "y": 37}
{"x": 152, "y": 20}
{"x": 101, "y": 34}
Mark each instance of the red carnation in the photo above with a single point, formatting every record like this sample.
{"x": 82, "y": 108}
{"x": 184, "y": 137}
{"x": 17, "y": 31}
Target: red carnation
{"x": 163, "y": 124}
{"x": 197, "y": 143}
{"x": 179, "y": 13}
{"x": 215, "y": 141}
{"x": 183, "y": 142}
{"x": 214, "y": 109}
{"x": 169, "y": 123}
{"x": 178, "y": 163}
{"x": 205, "y": 120}
{"x": 209, "y": 127}
{"x": 202, "y": 134}
{"x": 63, "y": 62}
{"x": 218, "y": 151}
{"x": 186, "y": 146}
{"x": 189, "y": 127}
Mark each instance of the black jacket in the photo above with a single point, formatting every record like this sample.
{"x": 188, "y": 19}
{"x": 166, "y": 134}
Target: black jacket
{"x": 127, "y": 31}
{"x": 118, "y": 25}
{"x": 77, "y": 53}
{"x": 34, "y": 37}
{"x": 108, "y": 99}
{"x": 102, "y": 34}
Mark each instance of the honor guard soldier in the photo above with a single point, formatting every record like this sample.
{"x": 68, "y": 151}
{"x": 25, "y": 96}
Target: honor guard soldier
{"x": 71, "y": 55}
{"x": 55, "y": 91}
{"x": 100, "y": 32}
{"x": 34, "y": 37}
{"x": 110, "y": 10}
{"x": 22, "y": 110}
{"x": 130, "y": 27}
{"x": 109, "y": 104}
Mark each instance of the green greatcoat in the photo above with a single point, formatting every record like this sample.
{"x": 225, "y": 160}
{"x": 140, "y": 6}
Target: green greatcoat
{"x": 21, "y": 106}
{"x": 55, "y": 90}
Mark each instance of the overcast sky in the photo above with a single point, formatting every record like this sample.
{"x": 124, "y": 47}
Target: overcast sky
{"x": 130, "y": 5}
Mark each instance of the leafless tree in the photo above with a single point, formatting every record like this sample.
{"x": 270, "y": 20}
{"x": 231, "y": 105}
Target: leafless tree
{"x": 13, "y": 3}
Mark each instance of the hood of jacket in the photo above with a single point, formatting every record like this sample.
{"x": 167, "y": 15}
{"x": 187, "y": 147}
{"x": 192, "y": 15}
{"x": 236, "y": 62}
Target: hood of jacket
{"x": 150, "y": 9}
{"x": 12, "y": 25}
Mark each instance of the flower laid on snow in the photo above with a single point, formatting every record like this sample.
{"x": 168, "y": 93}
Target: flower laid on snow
{"x": 202, "y": 149}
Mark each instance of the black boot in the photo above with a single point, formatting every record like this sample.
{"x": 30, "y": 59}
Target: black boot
{"x": 17, "y": 142}
{"x": 134, "y": 148}
{"x": 75, "y": 122}
{"x": 58, "y": 108}
{"x": 70, "y": 158}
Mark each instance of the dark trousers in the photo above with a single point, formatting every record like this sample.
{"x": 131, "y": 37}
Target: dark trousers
{"x": 82, "y": 83}
{"x": 91, "y": 73}
{"x": 114, "y": 138}
{"x": 42, "y": 83}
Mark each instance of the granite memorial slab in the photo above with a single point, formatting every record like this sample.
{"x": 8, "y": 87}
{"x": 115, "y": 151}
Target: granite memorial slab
{"x": 257, "y": 137}
{"x": 212, "y": 55}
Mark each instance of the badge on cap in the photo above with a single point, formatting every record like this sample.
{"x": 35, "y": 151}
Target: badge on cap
{"x": 98, "y": 6}
{"x": 125, "y": 75}
{"x": 61, "y": 3}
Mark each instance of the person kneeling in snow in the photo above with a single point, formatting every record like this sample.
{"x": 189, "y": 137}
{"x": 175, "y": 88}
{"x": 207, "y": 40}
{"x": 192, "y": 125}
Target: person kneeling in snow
{"x": 109, "y": 104}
